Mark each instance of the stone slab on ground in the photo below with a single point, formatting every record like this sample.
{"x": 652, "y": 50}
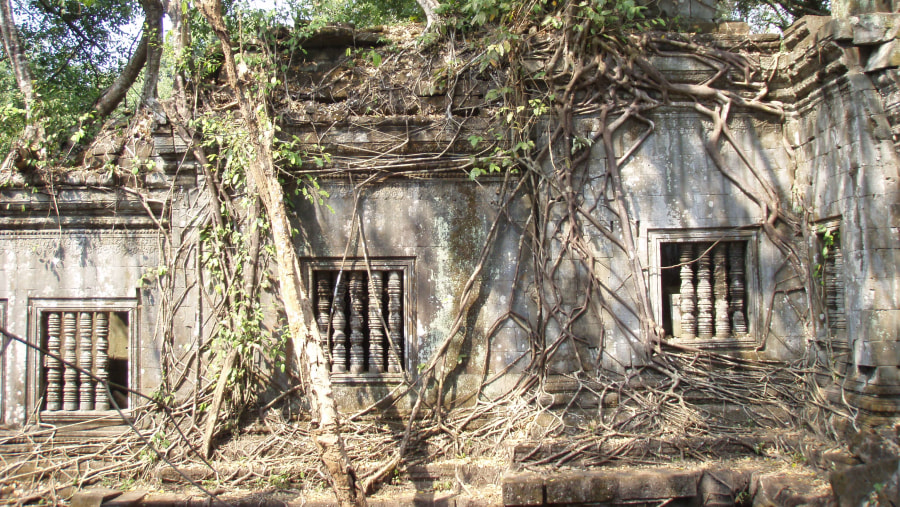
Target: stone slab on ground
{"x": 126, "y": 499}
{"x": 93, "y": 497}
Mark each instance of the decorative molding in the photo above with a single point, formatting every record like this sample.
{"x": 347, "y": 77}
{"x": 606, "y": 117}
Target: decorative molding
{"x": 109, "y": 243}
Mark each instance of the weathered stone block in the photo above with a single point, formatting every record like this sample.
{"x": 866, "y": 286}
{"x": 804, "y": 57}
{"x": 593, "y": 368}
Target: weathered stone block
{"x": 887, "y": 55}
{"x": 853, "y": 485}
{"x": 582, "y": 487}
{"x": 523, "y": 489}
{"x": 661, "y": 484}
{"x": 886, "y": 353}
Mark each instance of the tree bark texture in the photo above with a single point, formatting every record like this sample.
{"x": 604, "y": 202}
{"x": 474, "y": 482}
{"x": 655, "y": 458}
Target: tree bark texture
{"x": 153, "y": 14}
{"x": 261, "y": 174}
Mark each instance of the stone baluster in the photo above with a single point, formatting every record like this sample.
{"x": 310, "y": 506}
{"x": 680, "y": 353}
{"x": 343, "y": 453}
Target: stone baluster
{"x": 323, "y": 292}
{"x": 357, "y": 338}
{"x": 688, "y": 294}
{"x": 86, "y": 332}
{"x": 704, "y": 295}
{"x": 376, "y": 327}
{"x": 70, "y": 387}
{"x": 834, "y": 288}
{"x": 720, "y": 292}
{"x": 101, "y": 361}
{"x": 54, "y": 366}
{"x": 737, "y": 287}
{"x": 395, "y": 321}
{"x": 339, "y": 323}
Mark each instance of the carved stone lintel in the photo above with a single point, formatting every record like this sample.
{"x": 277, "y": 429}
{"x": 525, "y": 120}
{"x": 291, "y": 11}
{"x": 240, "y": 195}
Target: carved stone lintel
{"x": 54, "y": 366}
{"x": 101, "y": 360}
{"x": 339, "y": 323}
{"x": 720, "y": 292}
{"x": 688, "y": 305}
{"x": 376, "y": 326}
{"x": 395, "y": 322}
{"x": 704, "y": 295}
{"x": 737, "y": 287}
{"x": 357, "y": 338}
{"x": 70, "y": 387}
{"x": 85, "y": 332}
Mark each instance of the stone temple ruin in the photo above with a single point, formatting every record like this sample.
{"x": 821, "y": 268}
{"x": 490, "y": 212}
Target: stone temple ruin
{"x": 386, "y": 265}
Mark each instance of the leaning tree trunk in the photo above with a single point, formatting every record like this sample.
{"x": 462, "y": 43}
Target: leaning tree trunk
{"x": 16, "y": 54}
{"x": 28, "y": 145}
{"x": 261, "y": 174}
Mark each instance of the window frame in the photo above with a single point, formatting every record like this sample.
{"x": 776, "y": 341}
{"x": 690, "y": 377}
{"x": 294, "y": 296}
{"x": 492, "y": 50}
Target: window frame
{"x": 656, "y": 240}
{"x": 406, "y": 265}
{"x": 35, "y": 385}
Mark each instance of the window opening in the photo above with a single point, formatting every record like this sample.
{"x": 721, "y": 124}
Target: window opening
{"x": 832, "y": 273}
{"x": 361, "y": 320}
{"x": 704, "y": 289}
{"x": 95, "y": 341}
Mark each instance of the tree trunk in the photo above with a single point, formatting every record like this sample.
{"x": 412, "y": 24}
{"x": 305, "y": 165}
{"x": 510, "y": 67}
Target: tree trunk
{"x": 114, "y": 94}
{"x": 430, "y": 7}
{"x": 153, "y": 14}
{"x": 261, "y": 173}
{"x": 16, "y": 55}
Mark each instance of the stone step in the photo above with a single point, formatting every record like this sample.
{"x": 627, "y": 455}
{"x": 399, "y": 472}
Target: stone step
{"x": 633, "y": 486}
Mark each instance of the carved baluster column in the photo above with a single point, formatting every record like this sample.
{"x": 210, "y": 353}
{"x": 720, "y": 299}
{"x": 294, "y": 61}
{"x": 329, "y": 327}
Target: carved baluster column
{"x": 86, "y": 332}
{"x": 704, "y": 295}
{"x": 54, "y": 366}
{"x": 70, "y": 388}
{"x": 720, "y": 292}
{"x": 376, "y": 328}
{"x": 737, "y": 288}
{"x": 323, "y": 292}
{"x": 357, "y": 338}
{"x": 339, "y": 323}
{"x": 395, "y": 321}
{"x": 688, "y": 294}
{"x": 834, "y": 288}
{"x": 101, "y": 361}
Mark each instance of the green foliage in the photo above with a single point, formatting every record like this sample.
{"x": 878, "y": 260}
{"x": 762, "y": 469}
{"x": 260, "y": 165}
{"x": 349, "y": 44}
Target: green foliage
{"x": 829, "y": 238}
{"x": 363, "y": 13}
{"x": 75, "y": 50}
{"x": 772, "y": 16}
{"x": 12, "y": 108}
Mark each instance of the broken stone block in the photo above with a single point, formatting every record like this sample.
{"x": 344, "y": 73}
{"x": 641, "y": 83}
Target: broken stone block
{"x": 873, "y": 28}
{"x": 871, "y": 447}
{"x": 854, "y": 485}
{"x": 780, "y": 489}
{"x": 887, "y": 55}
{"x": 716, "y": 489}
